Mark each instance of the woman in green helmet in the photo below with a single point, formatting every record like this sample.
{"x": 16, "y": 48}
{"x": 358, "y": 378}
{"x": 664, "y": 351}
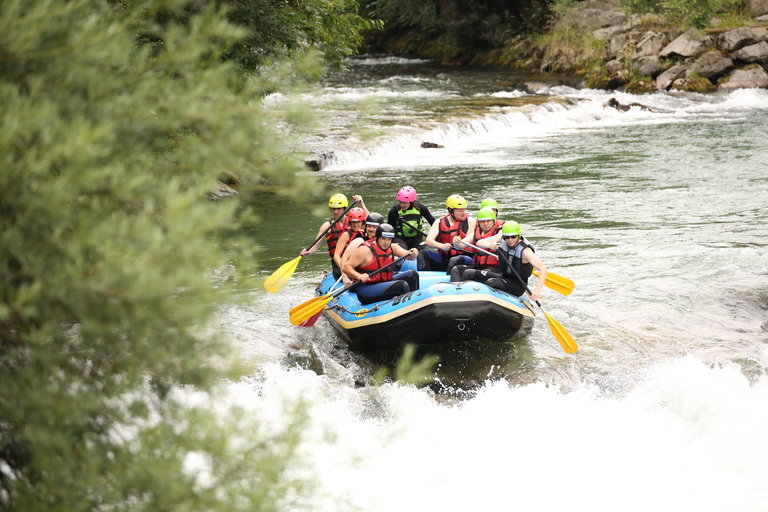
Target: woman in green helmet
{"x": 486, "y": 228}
{"x": 517, "y": 257}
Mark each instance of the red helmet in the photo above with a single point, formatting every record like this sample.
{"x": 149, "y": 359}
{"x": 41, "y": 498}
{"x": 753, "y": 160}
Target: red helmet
{"x": 356, "y": 215}
{"x": 406, "y": 194}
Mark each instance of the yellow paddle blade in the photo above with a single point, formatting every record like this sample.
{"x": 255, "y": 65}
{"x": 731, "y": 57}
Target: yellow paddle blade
{"x": 560, "y": 284}
{"x": 306, "y": 304}
{"x": 565, "y": 339}
{"x": 280, "y": 276}
{"x": 308, "y": 310}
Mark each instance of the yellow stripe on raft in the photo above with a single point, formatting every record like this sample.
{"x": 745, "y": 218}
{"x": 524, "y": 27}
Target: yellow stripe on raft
{"x": 475, "y": 297}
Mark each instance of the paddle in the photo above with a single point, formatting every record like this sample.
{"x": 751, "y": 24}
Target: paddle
{"x": 563, "y": 337}
{"x": 558, "y": 283}
{"x": 313, "y": 319}
{"x": 310, "y": 308}
{"x": 280, "y": 276}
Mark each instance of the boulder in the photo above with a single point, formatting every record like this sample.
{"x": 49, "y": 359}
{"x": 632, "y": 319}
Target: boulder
{"x": 651, "y": 44}
{"x": 606, "y": 33}
{"x": 712, "y": 65}
{"x": 756, "y": 8}
{"x": 737, "y": 38}
{"x": 664, "y": 81}
{"x": 649, "y": 65}
{"x": 693, "y": 84}
{"x": 593, "y": 19}
{"x": 688, "y": 44}
{"x": 617, "y": 45}
{"x": 746, "y": 78}
{"x": 752, "y": 53}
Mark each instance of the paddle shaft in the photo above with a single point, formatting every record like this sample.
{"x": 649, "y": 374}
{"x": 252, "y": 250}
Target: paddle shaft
{"x": 519, "y": 279}
{"x": 352, "y": 285}
{"x": 330, "y": 224}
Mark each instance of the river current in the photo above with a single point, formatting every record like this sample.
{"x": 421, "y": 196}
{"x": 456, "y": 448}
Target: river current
{"x": 658, "y": 215}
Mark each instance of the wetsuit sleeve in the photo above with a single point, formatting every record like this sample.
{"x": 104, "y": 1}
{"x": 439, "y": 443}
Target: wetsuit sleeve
{"x": 392, "y": 216}
{"x": 426, "y": 214}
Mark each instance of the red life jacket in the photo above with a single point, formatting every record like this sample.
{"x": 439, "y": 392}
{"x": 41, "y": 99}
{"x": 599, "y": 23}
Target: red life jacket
{"x": 380, "y": 259}
{"x": 482, "y": 260}
{"x": 352, "y": 236}
{"x": 447, "y": 232}
{"x": 333, "y": 235}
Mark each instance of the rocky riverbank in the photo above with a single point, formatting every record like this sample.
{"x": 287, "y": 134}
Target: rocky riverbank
{"x": 643, "y": 54}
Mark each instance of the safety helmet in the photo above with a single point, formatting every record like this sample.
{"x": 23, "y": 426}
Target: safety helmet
{"x": 406, "y": 194}
{"x": 356, "y": 215}
{"x": 510, "y": 228}
{"x": 338, "y": 201}
{"x": 486, "y": 213}
{"x": 374, "y": 219}
{"x": 491, "y": 203}
{"x": 385, "y": 230}
{"x": 456, "y": 201}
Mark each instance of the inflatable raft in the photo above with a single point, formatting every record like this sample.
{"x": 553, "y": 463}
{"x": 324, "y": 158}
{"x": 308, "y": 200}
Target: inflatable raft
{"x": 437, "y": 312}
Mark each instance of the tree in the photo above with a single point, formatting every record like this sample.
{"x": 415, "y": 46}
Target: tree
{"x": 107, "y": 244}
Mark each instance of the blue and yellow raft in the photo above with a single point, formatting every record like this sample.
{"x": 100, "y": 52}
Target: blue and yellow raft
{"x": 437, "y": 312}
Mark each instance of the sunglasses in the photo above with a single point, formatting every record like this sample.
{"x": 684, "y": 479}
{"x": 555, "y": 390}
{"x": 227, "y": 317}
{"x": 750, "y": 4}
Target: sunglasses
{"x": 507, "y": 237}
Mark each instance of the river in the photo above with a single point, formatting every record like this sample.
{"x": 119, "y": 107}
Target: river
{"x": 659, "y": 216}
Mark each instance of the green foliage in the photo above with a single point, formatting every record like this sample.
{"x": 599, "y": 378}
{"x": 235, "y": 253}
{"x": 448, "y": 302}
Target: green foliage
{"x": 281, "y": 29}
{"x": 408, "y": 370}
{"x": 685, "y": 13}
{"x": 107, "y": 245}
{"x": 461, "y": 27}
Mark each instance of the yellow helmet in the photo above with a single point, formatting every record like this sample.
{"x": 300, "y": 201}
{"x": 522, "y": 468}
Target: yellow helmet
{"x": 456, "y": 201}
{"x": 338, "y": 201}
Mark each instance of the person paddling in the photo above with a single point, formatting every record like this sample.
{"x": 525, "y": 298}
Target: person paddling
{"x": 487, "y": 227}
{"x": 355, "y": 221}
{"x": 338, "y": 204}
{"x": 372, "y": 222}
{"x": 511, "y": 247}
{"x": 440, "y": 237}
{"x": 373, "y": 255}
{"x": 408, "y": 234}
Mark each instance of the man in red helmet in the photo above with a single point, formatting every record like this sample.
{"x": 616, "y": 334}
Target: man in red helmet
{"x": 405, "y": 215}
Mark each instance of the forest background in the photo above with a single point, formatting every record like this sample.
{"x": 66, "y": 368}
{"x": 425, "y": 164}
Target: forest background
{"x": 118, "y": 116}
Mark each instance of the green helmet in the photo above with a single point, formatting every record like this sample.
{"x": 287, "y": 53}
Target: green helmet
{"x": 486, "y": 213}
{"x": 491, "y": 203}
{"x": 510, "y": 228}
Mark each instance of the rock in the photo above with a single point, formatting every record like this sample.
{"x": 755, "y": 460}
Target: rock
{"x": 762, "y": 19}
{"x": 664, "y": 81}
{"x": 746, "y": 78}
{"x": 593, "y": 19}
{"x": 614, "y": 103}
{"x": 688, "y": 44}
{"x": 756, "y": 8}
{"x": 222, "y": 191}
{"x": 606, "y": 33}
{"x": 613, "y": 66}
{"x": 317, "y": 161}
{"x": 752, "y": 53}
{"x": 737, "y": 38}
{"x": 651, "y": 44}
{"x": 534, "y": 87}
{"x": 711, "y": 65}
{"x": 649, "y": 65}
{"x": 693, "y": 84}
{"x": 617, "y": 45}
{"x": 431, "y": 145}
